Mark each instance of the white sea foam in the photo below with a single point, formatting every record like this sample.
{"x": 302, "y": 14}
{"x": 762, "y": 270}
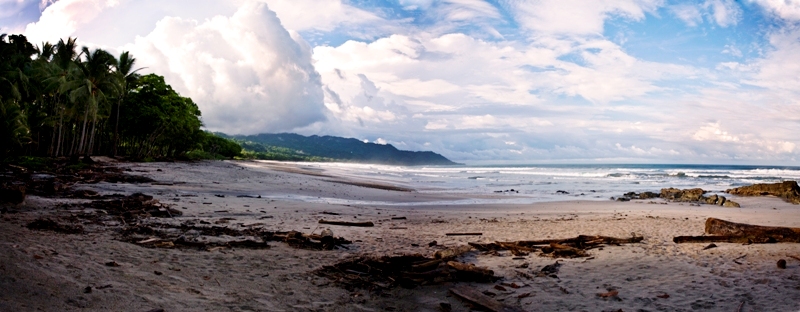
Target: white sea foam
{"x": 543, "y": 183}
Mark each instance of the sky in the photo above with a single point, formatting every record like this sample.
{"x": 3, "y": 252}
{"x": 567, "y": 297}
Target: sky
{"x": 479, "y": 81}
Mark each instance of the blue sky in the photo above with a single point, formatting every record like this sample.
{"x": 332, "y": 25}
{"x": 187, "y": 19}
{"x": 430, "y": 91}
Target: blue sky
{"x": 480, "y": 81}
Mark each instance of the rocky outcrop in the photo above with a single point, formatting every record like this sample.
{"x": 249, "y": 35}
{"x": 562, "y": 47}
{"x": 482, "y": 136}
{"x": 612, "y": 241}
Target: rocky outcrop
{"x": 687, "y": 195}
{"x": 788, "y": 190}
{"x": 694, "y": 195}
{"x": 721, "y": 201}
{"x": 732, "y": 204}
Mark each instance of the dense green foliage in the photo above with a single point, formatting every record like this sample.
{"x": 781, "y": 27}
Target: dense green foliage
{"x": 256, "y": 150}
{"x": 57, "y": 100}
{"x": 215, "y": 145}
{"x": 290, "y": 146}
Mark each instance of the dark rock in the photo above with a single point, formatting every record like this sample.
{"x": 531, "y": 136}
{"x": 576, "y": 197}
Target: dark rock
{"x": 782, "y": 264}
{"x": 788, "y": 190}
{"x": 551, "y": 268}
{"x": 731, "y": 203}
{"x": 648, "y": 195}
{"x": 687, "y": 195}
{"x": 12, "y": 194}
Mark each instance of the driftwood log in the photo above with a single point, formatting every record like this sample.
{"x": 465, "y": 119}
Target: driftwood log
{"x": 470, "y": 272}
{"x": 464, "y": 234}
{"x": 452, "y": 252}
{"x": 732, "y": 232}
{"x": 345, "y": 223}
{"x": 583, "y": 241}
{"x": 564, "y": 251}
{"x": 476, "y": 297}
{"x": 404, "y": 270}
{"x": 558, "y": 248}
{"x": 164, "y": 235}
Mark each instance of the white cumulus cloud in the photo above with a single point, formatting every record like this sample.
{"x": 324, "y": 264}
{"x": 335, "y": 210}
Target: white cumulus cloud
{"x": 246, "y": 72}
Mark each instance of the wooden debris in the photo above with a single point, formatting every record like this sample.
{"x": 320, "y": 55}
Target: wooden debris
{"x": 425, "y": 266}
{"x": 563, "y": 251}
{"x": 470, "y": 272}
{"x": 609, "y": 294}
{"x": 558, "y": 248}
{"x": 486, "y": 246}
{"x": 779, "y": 234}
{"x": 149, "y": 240}
{"x": 731, "y": 232}
{"x": 50, "y": 225}
{"x": 452, "y": 252}
{"x": 474, "y": 296}
{"x": 405, "y": 270}
{"x": 463, "y": 234}
{"x": 158, "y": 235}
{"x": 346, "y": 223}
{"x": 712, "y": 239}
{"x": 794, "y": 257}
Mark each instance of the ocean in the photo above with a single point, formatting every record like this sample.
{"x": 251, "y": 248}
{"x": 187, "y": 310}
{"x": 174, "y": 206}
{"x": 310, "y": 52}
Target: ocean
{"x": 547, "y": 183}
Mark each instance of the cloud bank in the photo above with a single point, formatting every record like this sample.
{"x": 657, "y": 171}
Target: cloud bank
{"x": 707, "y": 81}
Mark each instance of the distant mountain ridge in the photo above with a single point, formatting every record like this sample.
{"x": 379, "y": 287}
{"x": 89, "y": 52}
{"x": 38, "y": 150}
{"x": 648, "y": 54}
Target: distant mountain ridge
{"x": 338, "y": 148}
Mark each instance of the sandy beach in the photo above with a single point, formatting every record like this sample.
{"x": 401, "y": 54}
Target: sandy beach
{"x": 47, "y": 271}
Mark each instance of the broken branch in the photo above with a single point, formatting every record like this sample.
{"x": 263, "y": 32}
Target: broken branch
{"x": 345, "y": 223}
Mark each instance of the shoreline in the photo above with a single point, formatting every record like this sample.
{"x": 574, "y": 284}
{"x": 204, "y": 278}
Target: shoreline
{"x": 50, "y": 271}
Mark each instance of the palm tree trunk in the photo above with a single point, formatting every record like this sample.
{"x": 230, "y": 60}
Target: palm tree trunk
{"x": 73, "y": 132}
{"x": 116, "y": 127}
{"x": 83, "y": 131}
{"x": 91, "y": 138}
{"x": 60, "y": 132}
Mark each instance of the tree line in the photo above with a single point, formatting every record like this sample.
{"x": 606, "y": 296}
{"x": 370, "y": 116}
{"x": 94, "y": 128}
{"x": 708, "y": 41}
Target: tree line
{"x": 61, "y": 101}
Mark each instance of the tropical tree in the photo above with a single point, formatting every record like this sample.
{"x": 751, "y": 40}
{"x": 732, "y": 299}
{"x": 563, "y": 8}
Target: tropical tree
{"x": 127, "y": 77}
{"x": 14, "y": 51}
{"x": 58, "y": 100}
{"x": 94, "y": 85}
{"x": 60, "y": 70}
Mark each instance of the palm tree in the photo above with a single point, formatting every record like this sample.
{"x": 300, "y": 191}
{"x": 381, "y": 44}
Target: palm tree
{"x": 60, "y": 70}
{"x": 13, "y": 85}
{"x": 127, "y": 77}
{"x": 95, "y": 83}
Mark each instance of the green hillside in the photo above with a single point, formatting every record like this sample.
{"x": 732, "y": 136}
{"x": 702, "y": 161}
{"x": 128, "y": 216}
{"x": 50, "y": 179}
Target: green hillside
{"x": 290, "y": 146}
